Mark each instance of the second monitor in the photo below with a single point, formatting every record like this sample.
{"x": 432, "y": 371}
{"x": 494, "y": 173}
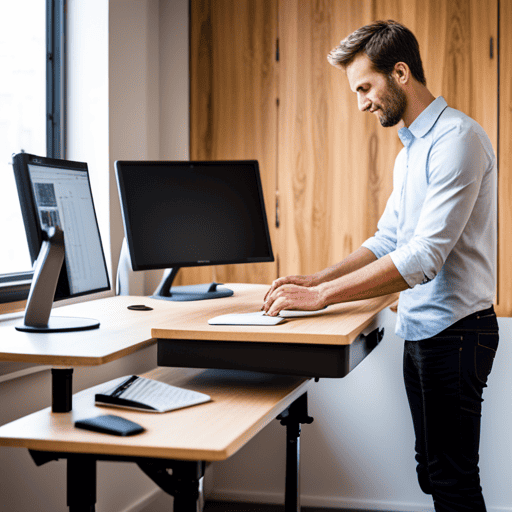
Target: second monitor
{"x": 183, "y": 214}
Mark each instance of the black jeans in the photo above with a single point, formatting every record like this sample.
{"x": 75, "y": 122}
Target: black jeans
{"x": 444, "y": 378}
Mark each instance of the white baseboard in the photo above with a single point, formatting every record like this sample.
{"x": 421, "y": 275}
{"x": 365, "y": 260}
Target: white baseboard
{"x": 152, "y": 499}
{"x": 329, "y": 502}
{"x": 159, "y": 501}
{"x": 319, "y": 501}
{"x": 144, "y": 501}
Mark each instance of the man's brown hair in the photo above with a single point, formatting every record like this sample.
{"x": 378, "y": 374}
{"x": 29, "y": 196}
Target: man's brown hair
{"x": 385, "y": 43}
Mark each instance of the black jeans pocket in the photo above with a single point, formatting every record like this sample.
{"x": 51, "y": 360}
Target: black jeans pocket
{"x": 485, "y": 351}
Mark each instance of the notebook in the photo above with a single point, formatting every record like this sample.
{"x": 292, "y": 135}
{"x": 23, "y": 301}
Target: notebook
{"x": 134, "y": 392}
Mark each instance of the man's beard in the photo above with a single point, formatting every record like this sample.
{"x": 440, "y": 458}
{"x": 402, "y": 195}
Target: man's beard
{"x": 393, "y": 106}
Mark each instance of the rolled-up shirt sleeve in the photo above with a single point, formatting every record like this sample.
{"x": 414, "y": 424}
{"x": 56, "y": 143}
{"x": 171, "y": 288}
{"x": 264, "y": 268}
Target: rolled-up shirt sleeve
{"x": 454, "y": 172}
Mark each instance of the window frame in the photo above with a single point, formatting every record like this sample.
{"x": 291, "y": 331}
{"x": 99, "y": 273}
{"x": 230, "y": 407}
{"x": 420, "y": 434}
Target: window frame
{"x": 55, "y": 78}
{"x": 15, "y": 287}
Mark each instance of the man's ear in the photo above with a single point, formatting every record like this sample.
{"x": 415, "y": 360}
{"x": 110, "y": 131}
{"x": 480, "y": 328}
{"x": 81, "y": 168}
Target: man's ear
{"x": 402, "y": 73}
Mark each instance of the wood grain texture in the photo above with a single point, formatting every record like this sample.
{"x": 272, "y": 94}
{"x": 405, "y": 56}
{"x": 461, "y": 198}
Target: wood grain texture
{"x": 340, "y": 324}
{"x": 233, "y": 111}
{"x": 242, "y": 404}
{"x": 124, "y": 331}
{"x": 505, "y": 164}
{"x": 121, "y": 332}
{"x": 322, "y": 181}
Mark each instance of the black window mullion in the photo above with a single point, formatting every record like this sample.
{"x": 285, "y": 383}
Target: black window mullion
{"x": 55, "y": 82}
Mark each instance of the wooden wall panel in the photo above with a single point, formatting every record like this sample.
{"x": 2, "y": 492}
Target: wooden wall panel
{"x": 322, "y": 162}
{"x": 233, "y": 111}
{"x": 505, "y": 163}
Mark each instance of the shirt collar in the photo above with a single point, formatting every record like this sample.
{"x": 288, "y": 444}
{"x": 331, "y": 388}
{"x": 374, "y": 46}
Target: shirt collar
{"x": 424, "y": 122}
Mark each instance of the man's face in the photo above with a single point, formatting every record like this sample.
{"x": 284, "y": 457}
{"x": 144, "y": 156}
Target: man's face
{"x": 376, "y": 93}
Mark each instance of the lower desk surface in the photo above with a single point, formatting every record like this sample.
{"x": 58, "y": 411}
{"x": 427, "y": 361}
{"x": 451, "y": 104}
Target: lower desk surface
{"x": 242, "y": 404}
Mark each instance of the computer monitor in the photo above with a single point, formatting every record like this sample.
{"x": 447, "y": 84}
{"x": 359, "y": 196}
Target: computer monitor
{"x": 184, "y": 214}
{"x": 63, "y": 239}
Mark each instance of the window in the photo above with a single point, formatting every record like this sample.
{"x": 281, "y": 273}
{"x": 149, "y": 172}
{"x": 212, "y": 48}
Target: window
{"x": 31, "y": 117}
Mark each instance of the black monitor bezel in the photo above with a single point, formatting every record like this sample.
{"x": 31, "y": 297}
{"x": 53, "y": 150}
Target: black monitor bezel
{"x": 33, "y": 229}
{"x": 121, "y": 164}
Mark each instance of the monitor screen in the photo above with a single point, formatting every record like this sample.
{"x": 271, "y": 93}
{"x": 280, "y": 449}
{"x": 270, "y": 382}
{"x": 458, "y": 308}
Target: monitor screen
{"x": 182, "y": 214}
{"x": 57, "y": 193}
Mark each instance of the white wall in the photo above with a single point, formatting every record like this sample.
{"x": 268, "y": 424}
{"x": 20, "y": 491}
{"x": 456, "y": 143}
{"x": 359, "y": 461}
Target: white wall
{"x": 133, "y": 101}
{"x": 174, "y": 80}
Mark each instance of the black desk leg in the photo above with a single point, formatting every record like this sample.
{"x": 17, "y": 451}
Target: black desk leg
{"x": 182, "y": 484}
{"x": 81, "y": 481}
{"x": 292, "y": 418}
{"x": 186, "y": 482}
{"x": 62, "y": 389}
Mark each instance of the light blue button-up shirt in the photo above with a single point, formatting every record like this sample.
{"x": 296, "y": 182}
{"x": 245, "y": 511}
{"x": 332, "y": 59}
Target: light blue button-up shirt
{"x": 440, "y": 223}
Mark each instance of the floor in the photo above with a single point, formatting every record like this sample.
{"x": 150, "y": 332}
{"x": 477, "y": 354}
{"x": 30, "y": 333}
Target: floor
{"x": 224, "y": 506}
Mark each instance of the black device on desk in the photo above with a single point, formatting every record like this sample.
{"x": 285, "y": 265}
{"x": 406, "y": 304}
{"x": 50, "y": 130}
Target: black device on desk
{"x": 184, "y": 214}
{"x": 63, "y": 239}
{"x": 110, "y": 424}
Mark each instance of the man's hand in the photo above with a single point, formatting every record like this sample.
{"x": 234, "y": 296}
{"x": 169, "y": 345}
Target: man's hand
{"x": 380, "y": 277}
{"x": 292, "y": 296}
{"x": 298, "y": 280}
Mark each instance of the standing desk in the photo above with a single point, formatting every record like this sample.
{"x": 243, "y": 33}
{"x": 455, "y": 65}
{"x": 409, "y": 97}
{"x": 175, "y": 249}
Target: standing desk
{"x": 300, "y": 348}
{"x": 330, "y": 344}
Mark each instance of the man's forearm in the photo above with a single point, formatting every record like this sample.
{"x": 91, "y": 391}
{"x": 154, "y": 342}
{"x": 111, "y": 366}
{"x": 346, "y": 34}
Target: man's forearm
{"x": 380, "y": 277}
{"x": 358, "y": 259}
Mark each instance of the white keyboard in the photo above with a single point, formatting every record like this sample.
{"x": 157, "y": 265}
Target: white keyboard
{"x": 260, "y": 318}
{"x": 257, "y": 318}
{"x": 147, "y": 394}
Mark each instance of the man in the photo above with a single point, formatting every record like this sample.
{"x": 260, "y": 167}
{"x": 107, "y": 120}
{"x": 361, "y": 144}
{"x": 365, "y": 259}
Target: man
{"x": 436, "y": 244}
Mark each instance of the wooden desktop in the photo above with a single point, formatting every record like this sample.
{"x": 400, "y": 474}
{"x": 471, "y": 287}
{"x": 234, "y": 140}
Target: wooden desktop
{"x": 121, "y": 332}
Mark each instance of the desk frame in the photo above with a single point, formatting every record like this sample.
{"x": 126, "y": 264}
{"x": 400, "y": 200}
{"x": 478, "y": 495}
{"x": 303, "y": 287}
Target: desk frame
{"x": 183, "y": 483}
{"x": 328, "y": 361}
{"x": 300, "y": 359}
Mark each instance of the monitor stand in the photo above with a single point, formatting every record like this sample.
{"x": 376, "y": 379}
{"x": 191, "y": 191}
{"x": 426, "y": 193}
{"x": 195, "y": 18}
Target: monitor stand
{"x": 42, "y": 291}
{"x": 189, "y": 292}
